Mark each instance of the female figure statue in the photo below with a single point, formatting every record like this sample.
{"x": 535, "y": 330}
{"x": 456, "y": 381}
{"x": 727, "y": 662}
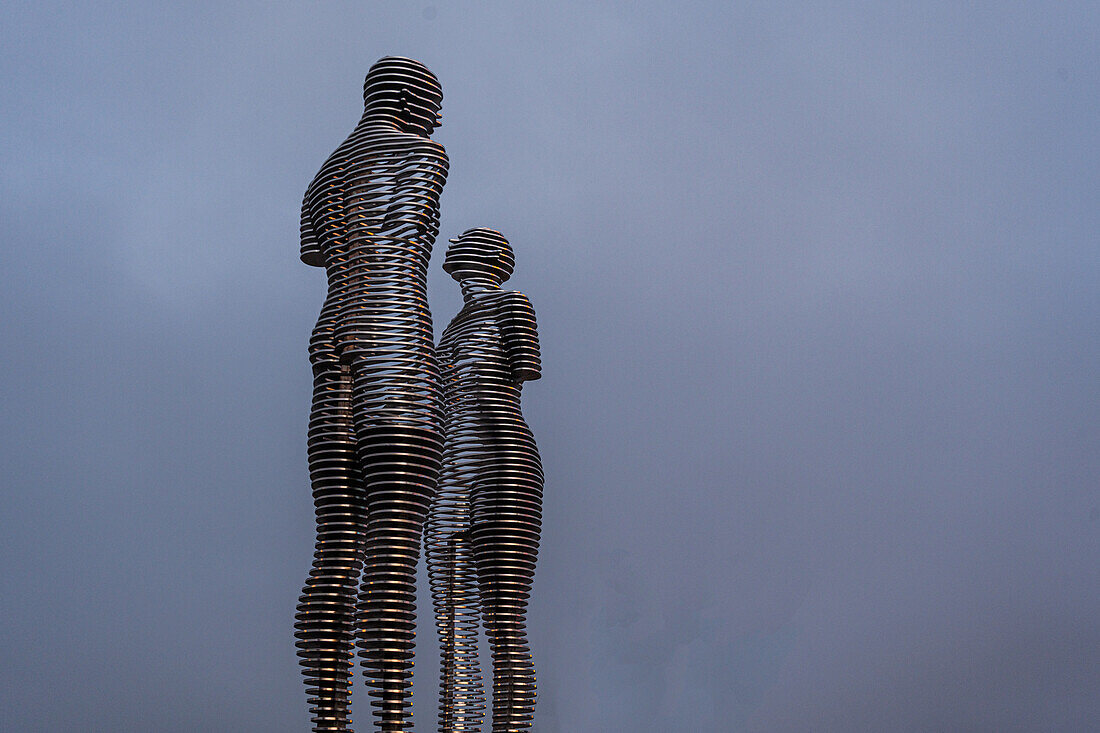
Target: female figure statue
{"x": 483, "y": 529}
{"x": 369, "y": 218}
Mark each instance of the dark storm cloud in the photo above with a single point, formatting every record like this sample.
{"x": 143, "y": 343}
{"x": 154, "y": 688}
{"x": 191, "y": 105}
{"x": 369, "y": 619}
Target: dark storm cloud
{"x": 817, "y": 291}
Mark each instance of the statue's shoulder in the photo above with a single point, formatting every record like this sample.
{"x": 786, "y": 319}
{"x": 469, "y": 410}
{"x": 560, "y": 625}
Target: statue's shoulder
{"x": 401, "y": 148}
{"x": 427, "y": 149}
{"x": 514, "y": 300}
{"x": 407, "y": 142}
{"x": 415, "y": 150}
{"x": 512, "y": 306}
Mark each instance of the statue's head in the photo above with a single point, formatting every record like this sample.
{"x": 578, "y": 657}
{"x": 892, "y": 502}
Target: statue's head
{"x": 405, "y": 91}
{"x": 480, "y": 253}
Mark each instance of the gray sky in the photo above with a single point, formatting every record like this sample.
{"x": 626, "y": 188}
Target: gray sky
{"x": 818, "y": 292}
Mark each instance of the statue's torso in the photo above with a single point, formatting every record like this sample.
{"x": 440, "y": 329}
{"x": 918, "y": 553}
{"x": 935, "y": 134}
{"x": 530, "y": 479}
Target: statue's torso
{"x": 374, "y": 208}
{"x": 477, "y": 376}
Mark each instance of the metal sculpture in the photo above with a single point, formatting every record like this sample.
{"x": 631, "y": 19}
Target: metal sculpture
{"x": 369, "y": 218}
{"x": 483, "y": 530}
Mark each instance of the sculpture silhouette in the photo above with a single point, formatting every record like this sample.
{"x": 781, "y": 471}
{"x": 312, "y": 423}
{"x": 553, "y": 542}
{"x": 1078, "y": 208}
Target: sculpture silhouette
{"x": 483, "y": 530}
{"x": 369, "y": 218}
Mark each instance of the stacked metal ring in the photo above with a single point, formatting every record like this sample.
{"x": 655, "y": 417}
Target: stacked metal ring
{"x": 483, "y": 531}
{"x": 369, "y": 218}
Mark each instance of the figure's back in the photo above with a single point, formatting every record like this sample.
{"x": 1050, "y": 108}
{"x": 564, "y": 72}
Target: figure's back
{"x": 374, "y": 210}
{"x": 478, "y": 369}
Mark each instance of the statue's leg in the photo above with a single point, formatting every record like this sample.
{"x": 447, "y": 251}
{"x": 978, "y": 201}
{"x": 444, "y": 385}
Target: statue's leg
{"x": 453, "y": 581}
{"x": 326, "y": 609}
{"x": 400, "y": 466}
{"x": 506, "y": 526}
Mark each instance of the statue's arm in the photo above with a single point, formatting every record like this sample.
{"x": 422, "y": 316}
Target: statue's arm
{"x": 520, "y": 335}
{"x": 311, "y": 247}
{"x": 414, "y": 211}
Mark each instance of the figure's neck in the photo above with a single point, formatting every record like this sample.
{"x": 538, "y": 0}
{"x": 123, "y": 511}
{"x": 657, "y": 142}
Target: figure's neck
{"x": 473, "y": 286}
{"x": 380, "y": 117}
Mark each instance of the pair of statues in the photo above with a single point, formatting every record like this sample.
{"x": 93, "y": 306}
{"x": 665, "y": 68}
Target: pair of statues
{"x": 409, "y": 442}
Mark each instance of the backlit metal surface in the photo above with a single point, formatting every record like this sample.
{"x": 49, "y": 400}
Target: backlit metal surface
{"x": 483, "y": 531}
{"x": 369, "y": 218}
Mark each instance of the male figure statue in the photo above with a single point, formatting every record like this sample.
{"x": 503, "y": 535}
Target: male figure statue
{"x": 369, "y": 218}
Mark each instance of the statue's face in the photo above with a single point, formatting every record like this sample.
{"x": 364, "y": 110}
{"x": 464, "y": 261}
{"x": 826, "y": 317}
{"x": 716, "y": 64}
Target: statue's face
{"x": 433, "y": 115}
{"x": 424, "y": 114}
{"x": 451, "y": 261}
